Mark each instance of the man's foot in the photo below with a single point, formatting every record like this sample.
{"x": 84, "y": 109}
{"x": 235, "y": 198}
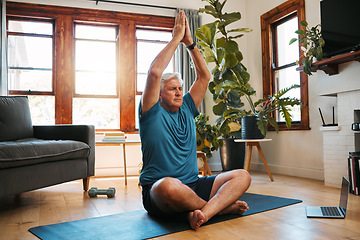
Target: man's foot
{"x": 238, "y": 207}
{"x": 196, "y": 219}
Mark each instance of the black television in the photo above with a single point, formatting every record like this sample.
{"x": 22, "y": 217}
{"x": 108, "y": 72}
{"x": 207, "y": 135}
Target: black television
{"x": 340, "y": 26}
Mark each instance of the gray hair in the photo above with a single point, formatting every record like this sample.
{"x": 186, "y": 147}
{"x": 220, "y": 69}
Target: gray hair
{"x": 168, "y": 76}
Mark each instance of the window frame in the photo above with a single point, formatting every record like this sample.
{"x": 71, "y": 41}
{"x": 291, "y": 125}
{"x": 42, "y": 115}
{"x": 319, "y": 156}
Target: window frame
{"x": 64, "y": 50}
{"x": 79, "y": 95}
{"x": 276, "y": 15}
{"x": 151, "y": 41}
{"x": 27, "y": 19}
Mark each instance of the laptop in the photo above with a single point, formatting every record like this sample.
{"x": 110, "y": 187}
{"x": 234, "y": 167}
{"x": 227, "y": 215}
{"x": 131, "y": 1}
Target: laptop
{"x": 332, "y": 212}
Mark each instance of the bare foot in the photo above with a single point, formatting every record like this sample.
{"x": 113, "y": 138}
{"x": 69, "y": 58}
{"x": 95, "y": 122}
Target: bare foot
{"x": 196, "y": 218}
{"x": 238, "y": 207}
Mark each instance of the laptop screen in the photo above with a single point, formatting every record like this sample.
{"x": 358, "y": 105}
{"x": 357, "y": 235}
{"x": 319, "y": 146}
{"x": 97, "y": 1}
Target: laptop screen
{"x": 344, "y": 194}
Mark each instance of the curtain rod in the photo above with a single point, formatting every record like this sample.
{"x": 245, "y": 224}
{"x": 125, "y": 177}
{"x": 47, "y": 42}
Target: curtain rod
{"x": 134, "y": 4}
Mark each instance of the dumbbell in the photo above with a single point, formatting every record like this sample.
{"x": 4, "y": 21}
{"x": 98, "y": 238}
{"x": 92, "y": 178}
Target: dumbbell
{"x": 93, "y": 192}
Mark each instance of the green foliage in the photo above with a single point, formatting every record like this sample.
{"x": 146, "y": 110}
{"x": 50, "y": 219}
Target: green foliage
{"x": 210, "y": 133}
{"x": 230, "y": 82}
{"x": 264, "y": 108}
{"x": 312, "y": 44}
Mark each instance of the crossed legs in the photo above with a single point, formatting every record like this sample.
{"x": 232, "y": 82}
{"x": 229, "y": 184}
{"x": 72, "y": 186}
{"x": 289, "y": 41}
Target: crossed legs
{"x": 171, "y": 196}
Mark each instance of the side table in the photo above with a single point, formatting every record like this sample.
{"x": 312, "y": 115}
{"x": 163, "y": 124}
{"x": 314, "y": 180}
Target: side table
{"x": 206, "y": 169}
{"x": 251, "y": 143}
{"x": 119, "y": 143}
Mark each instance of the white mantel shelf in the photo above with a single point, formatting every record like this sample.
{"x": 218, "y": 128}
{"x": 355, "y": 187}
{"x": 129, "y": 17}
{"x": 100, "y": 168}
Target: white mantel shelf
{"x": 330, "y": 128}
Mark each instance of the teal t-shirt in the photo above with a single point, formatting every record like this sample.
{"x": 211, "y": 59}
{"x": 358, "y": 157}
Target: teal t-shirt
{"x": 168, "y": 143}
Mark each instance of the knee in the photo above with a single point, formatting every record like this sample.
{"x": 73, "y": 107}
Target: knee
{"x": 166, "y": 188}
{"x": 243, "y": 176}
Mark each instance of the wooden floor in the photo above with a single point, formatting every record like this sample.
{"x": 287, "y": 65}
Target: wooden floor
{"x": 67, "y": 202}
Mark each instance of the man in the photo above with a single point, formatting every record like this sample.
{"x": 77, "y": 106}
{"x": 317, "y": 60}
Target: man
{"x": 170, "y": 174}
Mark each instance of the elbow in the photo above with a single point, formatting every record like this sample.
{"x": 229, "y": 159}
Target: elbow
{"x": 154, "y": 73}
{"x": 206, "y": 76}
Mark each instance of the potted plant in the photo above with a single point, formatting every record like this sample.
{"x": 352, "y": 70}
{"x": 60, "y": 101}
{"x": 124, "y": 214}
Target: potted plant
{"x": 230, "y": 83}
{"x": 207, "y": 136}
{"x": 313, "y": 43}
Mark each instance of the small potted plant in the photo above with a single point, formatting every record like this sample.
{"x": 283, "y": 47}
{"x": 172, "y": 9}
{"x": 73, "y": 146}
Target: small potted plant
{"x": 207, "y": 136}
{"x": 312, "y": 42}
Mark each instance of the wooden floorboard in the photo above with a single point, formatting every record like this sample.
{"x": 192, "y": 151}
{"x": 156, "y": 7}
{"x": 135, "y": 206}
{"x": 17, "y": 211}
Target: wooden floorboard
{"x": 67, "y": 202}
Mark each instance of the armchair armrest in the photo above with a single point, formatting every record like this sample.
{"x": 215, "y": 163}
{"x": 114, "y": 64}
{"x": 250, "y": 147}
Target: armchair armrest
{"x": 82, "y": 133}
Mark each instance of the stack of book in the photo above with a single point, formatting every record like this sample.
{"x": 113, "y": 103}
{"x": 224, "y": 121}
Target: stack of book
{"x": 354, "y": 172}
{"x": 114, "y": 137}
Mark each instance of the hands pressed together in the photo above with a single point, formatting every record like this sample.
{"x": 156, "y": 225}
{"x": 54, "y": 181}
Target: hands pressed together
{"x": 181, "y": 30}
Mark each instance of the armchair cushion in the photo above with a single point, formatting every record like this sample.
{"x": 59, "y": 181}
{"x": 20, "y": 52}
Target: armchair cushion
{"x": 15, "y": 118}
{"x": 33, "y": 151}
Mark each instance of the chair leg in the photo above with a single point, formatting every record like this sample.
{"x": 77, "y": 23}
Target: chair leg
{"x": 86, "y": 183}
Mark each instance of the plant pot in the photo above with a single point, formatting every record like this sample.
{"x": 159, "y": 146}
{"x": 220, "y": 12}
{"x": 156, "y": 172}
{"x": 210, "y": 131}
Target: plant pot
{"x": 250, "y": 129}
{"x": 232, "y": 155}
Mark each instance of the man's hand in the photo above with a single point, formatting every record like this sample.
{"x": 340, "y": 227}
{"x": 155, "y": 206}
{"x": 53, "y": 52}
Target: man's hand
{"x": 187, "y": 40}
{"x": 179, "y": 27}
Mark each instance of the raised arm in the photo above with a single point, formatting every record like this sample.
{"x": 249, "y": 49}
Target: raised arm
{"x": 199, "y": 87}
{"x": 152, "y": 88}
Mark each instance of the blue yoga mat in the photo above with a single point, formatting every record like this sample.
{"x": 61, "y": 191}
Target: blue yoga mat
{"x": 140, "y": 225}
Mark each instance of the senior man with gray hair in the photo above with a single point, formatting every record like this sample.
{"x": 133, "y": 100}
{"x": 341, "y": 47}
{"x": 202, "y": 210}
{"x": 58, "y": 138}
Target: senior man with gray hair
{"x": 169, "y": 177}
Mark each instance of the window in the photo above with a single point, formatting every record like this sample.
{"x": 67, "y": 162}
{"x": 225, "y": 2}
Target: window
{"x": 149, "y": 45}
{"x": 279, "y": 67}
{"x": 79, "y": 65}
{"x": 285, "y": 55}
{"x": 96, "y": 98}
{"x": 30, "y": 59}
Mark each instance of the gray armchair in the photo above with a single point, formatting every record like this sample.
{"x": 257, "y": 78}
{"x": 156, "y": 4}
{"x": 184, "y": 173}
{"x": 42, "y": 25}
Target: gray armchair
{"x": 33, "y": 157}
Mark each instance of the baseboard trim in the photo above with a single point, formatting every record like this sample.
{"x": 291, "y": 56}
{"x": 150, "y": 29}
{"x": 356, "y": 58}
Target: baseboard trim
{"x": 116, "y": 172}
{"x": 317, "y": 174}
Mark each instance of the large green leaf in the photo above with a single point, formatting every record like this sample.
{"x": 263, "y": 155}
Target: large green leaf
{"x": 237, "y": 36}
{"x": 239, "y": 56}
{"x": 233, "y": 98}
{"x": 229, "y": 18}
{"x": 286, "y": 114}
{"x": 224, "y": 128}
{"x": 240, "y": 30}
{"x": 211, "y": 87}
{"x": 203, "y": 44}
{"x": 206, "y": 33}
{"x": 304, "y": 23}
{"x": 209, "y": 55}
{"x": 219, "y": 108}
{"x": 231, "y": 46}
{"x": 245, "y": 76}
{"x": 220, "y": 42}
{"x": 300, "y": 32}
{"x": 227, "y": 85}
{"x": 230, "y": 60}
{"x": 216, "y": 75}
{"x": 209, "y": 10}
{"x": 283, "y": 91}
{"x": 220, "y": 53}
{"x": 262, "y": 125}
{"x": 273, "y": 123}
{"x": 227, "y": 74}
{"x": 293, "y": 40}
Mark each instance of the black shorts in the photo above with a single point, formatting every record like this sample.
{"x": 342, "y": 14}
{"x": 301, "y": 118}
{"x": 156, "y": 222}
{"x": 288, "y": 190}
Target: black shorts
{"x": 202, "y": 187}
